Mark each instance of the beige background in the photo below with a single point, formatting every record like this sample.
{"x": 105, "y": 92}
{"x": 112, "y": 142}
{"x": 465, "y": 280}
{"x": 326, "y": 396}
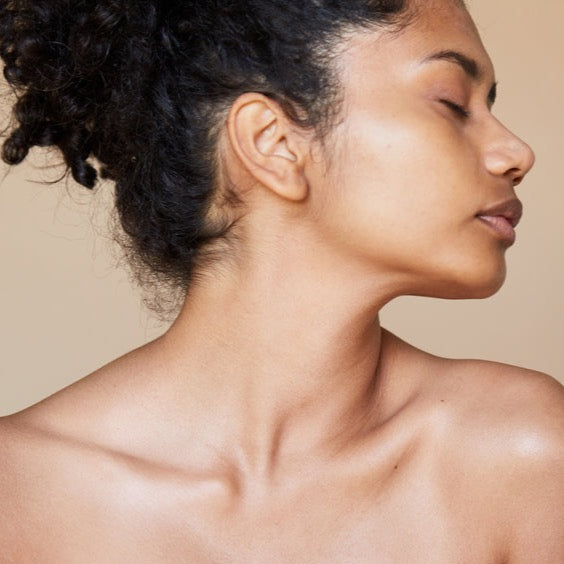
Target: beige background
{"x": 66, "y": 309}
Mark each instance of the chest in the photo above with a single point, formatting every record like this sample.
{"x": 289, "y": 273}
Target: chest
{"x": 412, "y": 520}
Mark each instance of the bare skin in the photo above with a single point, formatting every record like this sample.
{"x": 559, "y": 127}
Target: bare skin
{"x": 276, "y": 421}
{"x": 457, "y": 465}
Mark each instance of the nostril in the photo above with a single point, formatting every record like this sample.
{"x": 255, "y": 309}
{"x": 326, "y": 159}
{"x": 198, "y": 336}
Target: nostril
{"x": 516, "y": 175}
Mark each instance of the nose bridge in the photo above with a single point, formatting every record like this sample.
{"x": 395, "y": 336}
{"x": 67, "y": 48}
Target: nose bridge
{"x": 507, "y": 154}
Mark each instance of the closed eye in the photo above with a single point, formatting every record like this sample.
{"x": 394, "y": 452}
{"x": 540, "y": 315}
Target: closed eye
{"x": 456, "y": 108}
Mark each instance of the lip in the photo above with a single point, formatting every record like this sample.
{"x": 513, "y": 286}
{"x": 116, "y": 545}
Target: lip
{"x": 503, "y": 218}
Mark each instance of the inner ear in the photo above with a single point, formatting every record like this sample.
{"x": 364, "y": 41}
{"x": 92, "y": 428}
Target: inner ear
{"x": 270, "y": 141}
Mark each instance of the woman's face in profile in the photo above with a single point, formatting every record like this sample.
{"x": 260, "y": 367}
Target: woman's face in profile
{"x": 422, "y": 175}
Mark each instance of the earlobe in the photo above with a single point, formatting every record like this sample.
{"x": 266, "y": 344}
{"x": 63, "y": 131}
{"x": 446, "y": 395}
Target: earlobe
{"x": 268, "y": 146}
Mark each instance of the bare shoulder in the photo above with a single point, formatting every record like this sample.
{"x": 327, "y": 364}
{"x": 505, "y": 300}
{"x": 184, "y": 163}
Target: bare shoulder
{"x": 14, "y": 464}
{"x": 487, "y": 395}
{"x": 25, "y": 452}
{"x": 510, "y": 438}
{"x": 13, "y": 448}
{"x": 523, "y": 405}
{"x": 496, "y": 434}
{"x": 46, "y": 476}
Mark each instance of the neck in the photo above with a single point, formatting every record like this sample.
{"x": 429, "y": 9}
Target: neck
{"x": 283, "y": 360}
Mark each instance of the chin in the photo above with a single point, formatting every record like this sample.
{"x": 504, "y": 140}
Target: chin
{"x": 479, "y": 288}
{"x": 471, "y": 285}
{"x": 483, "y": 292}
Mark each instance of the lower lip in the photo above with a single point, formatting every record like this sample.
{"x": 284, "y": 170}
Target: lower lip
{"x": 501, "y": 226}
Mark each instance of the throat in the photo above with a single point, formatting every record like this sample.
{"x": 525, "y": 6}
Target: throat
{"x": 261, "y": 399}
{"x": 267, "y": 373}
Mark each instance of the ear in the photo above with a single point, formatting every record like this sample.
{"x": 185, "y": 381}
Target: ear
{"x": 268, "y": 145}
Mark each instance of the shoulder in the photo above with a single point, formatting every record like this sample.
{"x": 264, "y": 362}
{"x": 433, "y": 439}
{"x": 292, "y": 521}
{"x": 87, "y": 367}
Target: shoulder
{"x": 519, "y": 411}
{"x": 510, "y": 429}
{"x": 522, "y": 405}
{"x": 15, "y": 464}
{"x": 46, "y": 475}
{"x": 515, "y": 395}
{"x": 26, "y": 455}
{"x": 483, "y": 395}
{"x": 484, "y": 401}
{"x": 532, "y": 461}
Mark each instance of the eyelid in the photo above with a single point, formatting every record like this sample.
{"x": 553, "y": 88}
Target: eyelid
{"x": 460, "y": 110}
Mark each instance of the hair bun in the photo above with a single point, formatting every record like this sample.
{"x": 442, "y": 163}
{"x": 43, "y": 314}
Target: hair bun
{"x": 73, "y": 66}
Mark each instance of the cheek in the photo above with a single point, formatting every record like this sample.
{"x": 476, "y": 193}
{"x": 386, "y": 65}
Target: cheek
{"x": 398, "y": 180}
{"x": 402, "y": 195}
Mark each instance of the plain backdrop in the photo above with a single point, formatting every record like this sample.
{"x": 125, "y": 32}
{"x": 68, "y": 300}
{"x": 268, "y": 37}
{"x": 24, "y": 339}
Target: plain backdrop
{"x": 67, "y": 306}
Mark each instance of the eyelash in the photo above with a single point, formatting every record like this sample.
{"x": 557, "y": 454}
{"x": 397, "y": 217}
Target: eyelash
{"x": 457, "y": 109}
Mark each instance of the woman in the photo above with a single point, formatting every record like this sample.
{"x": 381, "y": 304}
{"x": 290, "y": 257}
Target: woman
{"x": 293, "y": 166}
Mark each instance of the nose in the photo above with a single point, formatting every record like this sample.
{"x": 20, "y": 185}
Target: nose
{"x": 508, "y": 156}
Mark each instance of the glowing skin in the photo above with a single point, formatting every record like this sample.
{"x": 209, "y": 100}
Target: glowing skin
{"x": 276, "y": 421}
{"x": 414, "y": 171}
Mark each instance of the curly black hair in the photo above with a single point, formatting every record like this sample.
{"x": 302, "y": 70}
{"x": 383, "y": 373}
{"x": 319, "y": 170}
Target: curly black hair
{"x": 141, "y": 87}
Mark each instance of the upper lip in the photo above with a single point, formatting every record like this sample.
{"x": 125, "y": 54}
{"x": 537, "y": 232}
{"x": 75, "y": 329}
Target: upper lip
{"x": 512, "y": 210}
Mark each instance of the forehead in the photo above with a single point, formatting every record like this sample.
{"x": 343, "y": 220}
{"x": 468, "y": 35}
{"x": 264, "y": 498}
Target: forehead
{"x": 435, "y": 26}
{"x": 442, "y": 17}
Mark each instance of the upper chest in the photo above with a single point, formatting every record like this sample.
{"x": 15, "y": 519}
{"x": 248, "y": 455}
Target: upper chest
{"x": 103, "y": 514}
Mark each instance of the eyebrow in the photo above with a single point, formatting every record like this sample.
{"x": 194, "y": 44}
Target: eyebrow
{"x": 468, "y": 65}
